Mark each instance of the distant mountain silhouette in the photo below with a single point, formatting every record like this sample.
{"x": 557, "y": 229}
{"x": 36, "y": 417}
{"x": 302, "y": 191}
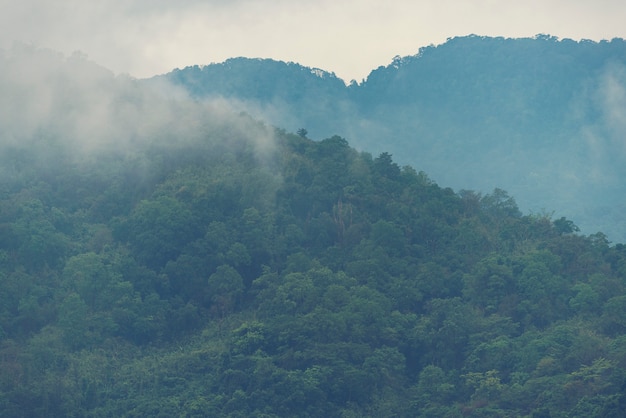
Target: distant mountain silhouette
{"x": 543, "y": 118}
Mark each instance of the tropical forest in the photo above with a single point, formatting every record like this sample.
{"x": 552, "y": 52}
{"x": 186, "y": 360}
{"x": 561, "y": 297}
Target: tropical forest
{"x": 165, "y": 255}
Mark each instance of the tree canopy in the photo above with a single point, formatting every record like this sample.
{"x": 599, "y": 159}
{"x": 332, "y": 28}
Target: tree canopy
{"x": 314, "y": 280}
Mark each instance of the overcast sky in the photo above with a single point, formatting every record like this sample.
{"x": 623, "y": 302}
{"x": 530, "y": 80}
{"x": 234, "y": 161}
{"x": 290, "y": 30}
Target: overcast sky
{"x": 349, "y": 37}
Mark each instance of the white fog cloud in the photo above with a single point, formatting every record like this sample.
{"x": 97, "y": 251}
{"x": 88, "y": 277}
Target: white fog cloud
{"x": 613, "y": 96}
{"x": 48, "y": 98}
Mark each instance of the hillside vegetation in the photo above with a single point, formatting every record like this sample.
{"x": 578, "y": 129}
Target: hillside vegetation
{"x": 201, "y": 263}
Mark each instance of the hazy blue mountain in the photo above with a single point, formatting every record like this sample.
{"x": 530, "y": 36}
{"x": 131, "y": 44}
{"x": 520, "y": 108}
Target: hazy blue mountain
{"x": 285, "y": 94}
{"x": 540, "y": 117}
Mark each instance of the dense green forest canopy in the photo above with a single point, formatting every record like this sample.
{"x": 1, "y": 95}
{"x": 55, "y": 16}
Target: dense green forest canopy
{"x": 539, "y": 117}
{"x": 195, "y": 262}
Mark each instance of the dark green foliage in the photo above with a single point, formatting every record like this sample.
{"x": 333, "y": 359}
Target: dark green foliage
{"x": 308, "y": 280}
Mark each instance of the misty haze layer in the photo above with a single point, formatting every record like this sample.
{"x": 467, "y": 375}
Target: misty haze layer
{"x": 49, "y": 100}
{"x": 539, "y": 117}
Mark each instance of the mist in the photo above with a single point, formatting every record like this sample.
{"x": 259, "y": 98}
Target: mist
{"x": 71, "y": 103}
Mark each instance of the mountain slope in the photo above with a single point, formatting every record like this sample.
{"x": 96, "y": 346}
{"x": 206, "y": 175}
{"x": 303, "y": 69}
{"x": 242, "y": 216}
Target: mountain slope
{"x": 162, "y": 256}
{"x": 538, "y": 117}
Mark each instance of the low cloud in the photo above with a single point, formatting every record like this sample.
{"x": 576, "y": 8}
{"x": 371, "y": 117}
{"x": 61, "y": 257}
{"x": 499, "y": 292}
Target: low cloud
{"x": 613, "y": 104}
{"x": 74, "y": 103}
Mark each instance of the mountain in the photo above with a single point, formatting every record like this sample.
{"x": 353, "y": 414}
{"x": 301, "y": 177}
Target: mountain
{"x": 163, "y": 256}
{"x": 539, "y": 117}
{"x": 275, "y": 90}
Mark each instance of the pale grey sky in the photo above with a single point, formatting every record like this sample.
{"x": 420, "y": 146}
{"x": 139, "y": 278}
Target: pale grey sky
{"x": 348, "y": 37}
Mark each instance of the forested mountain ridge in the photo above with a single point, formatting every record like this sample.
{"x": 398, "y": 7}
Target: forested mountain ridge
{"x": 539, "y": 117}
{"x": 161, "y": 256}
